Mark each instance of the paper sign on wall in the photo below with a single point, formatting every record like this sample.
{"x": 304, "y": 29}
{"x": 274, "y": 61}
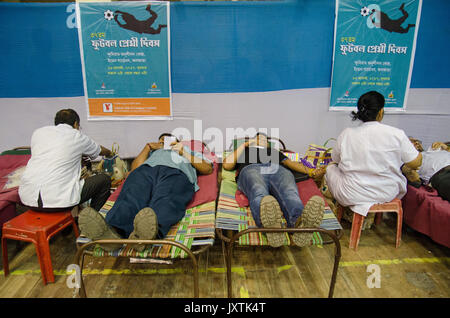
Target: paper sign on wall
{"x": 125, "y": 52}
{"x": 374, "y": 48}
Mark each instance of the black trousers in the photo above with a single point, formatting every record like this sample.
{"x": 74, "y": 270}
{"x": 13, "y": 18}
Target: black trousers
{"x": 441, "y": 182}
{"x": 95, "y": 188}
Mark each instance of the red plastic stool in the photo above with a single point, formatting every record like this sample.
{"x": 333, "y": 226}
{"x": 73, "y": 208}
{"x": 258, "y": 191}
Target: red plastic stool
{"x": 357, "y": 223}
{"x": 37, "y": 228}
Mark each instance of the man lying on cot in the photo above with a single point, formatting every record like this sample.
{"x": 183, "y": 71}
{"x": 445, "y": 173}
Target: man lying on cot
{"x": 434, "y": 170}
{"x": 154, "y": 196}
{"x": 263, "y": 176}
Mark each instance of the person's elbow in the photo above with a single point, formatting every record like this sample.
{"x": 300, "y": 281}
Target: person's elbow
{"x": 228, "y": 166}
{"x": 135, "y": 164}
{"x": 209, "y": 169}
{"x": 416, "y": 163}
{"x": 206, "y": 168}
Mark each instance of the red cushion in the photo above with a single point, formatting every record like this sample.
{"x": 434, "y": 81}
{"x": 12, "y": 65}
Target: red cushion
{"x": 207, "y": 183}
{"x": 208, "y": 188}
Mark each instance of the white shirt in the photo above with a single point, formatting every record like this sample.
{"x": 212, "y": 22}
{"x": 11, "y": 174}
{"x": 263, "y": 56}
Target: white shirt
{"x": 432, "y": 162}
{"x": 369, "y": 158}
{"x": 54, "y": 168}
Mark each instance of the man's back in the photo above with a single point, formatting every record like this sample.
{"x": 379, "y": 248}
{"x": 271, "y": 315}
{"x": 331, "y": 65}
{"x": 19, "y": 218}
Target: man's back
{"x": 55, "y": 166}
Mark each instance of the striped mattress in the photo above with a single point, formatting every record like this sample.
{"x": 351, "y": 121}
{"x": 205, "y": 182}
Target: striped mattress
{"x": 230, "y": 216}
{"x": 195, "y": 229}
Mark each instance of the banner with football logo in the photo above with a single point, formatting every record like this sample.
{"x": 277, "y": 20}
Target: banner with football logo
{"x": 125, "y": 53}
{"x": 374, "y": 47}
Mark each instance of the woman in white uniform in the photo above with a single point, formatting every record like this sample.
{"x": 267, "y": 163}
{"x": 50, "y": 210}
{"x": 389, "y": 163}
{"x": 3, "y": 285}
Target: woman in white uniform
{"x": 367, "y": 159}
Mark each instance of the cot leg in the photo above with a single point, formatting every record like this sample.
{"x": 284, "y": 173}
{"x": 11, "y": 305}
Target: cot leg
{"x": 82, "y": 290}
{"x": 228, "y": 257}
{"x": 337, "y": 257}
{"x": 5, "y": 256}
{"x": 340, "y": 212}
{"x": 357, "y": 224}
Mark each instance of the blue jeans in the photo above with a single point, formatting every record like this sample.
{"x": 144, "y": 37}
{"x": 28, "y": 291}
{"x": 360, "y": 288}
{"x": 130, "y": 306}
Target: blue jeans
{"x": 166, "y": 190}
{"x": 258, "y": 180}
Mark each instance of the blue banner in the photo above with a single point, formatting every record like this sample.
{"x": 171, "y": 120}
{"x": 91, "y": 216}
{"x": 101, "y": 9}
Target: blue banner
{"x": 41, "y": 54}
{"x": 374, "y": 48}
{"x": 125, "y": 58}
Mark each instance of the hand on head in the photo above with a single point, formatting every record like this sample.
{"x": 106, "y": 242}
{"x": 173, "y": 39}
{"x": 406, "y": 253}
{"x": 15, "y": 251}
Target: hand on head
{"x": 178, "y": 147}
{"x": 155, "y": 145}
{"x": 439, "y": 145}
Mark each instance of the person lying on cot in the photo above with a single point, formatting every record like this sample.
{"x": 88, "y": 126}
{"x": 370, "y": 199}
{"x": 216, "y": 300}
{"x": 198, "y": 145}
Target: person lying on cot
{"x": 367, "y": 159}
{"x": 154, "y": 196}
{"x": 51, "y": 180}
{"x": 434, "y": 170}
{"x": 263, "y": 176}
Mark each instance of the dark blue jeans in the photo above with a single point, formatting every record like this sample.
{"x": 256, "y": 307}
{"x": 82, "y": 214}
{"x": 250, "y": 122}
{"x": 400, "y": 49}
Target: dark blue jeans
{"x": 166, "y": 190}
{"x": 259, "y": 180}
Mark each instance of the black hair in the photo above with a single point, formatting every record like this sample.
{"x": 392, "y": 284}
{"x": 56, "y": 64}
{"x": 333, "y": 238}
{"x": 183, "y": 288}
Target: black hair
{"x": 167, "y": 135}
{"x": 369, "y": 105}
{"x": 67, "y": 116}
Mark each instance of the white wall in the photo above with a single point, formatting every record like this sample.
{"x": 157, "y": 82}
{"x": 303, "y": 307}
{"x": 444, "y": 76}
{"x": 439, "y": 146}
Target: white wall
{"x": 302, "y": 117}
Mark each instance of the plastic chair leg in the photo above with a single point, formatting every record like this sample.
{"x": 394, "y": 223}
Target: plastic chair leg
{"x": 378, "y": 218}
{"x": 75, "y": 228}
{"x": 357, "y": 224}
{"x": 398, "y": 238}
{"x": 45, "y": 261}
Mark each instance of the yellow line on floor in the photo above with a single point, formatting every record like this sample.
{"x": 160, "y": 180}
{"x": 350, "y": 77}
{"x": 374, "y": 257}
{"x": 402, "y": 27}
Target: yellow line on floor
{"x": 163, "y": 271}
{"x": 238, "y": 269}
{"x": 416, "y": 260}
{"x": 243, "y": 292}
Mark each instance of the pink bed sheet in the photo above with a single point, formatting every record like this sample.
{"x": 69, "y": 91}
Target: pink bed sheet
{"x": 426, "y": 212}
{"x": 9, "y": 197}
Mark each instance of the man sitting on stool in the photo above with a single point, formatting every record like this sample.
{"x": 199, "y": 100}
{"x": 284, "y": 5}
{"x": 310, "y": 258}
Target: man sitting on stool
{"x": 51, "y": 180}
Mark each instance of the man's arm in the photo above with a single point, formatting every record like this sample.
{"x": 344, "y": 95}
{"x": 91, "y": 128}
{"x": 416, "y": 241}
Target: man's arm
{"x": 416, "y": 163}
{"x": 439, "y": 145}
{"x": 105, "y": 152}
{"x": 316, "y": 174}
{"x": 202, "y": 166}
{"x": 143, "y": 155}
{"x": 296, "y": 166}
{"x": 230, "y": 161}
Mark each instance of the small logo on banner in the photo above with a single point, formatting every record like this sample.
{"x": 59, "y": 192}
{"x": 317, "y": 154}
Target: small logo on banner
{"x": 109, "y": 15}
{"x": 107, "y": 107}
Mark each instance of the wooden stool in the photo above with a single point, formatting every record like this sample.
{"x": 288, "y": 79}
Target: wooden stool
{"x": 357, "y": 223}
{"x": 37, "y": 228}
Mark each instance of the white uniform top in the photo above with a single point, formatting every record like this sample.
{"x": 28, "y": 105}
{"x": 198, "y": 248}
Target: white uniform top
{"x": 432, "y": 162}
{"x": 54, "y": 168}
{"x": 369, "y": 159}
